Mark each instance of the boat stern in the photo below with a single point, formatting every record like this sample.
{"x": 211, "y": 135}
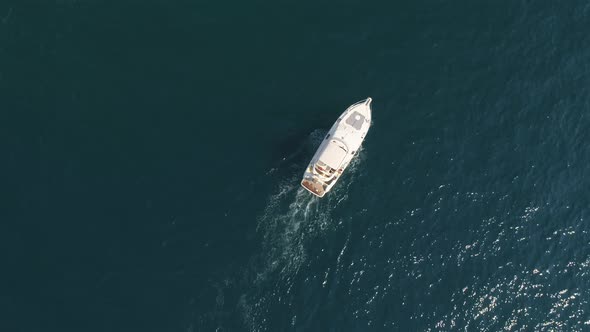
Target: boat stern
{"x": 314, "y": 186}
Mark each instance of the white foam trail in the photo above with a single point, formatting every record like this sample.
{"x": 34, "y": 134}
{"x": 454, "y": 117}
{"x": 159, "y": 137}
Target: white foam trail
{"x": 291, "y": 218}
{"x": 283, "y": 249}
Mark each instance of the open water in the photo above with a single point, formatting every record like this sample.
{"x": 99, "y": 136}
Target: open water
{"x": 152, "y": 153}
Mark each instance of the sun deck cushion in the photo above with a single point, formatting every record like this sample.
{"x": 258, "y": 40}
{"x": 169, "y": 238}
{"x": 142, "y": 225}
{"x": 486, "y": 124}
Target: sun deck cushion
{"x": 355, "y": 120}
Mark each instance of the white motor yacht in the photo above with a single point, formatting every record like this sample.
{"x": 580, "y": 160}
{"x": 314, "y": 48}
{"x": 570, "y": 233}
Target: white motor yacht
{"x": 338, "y": 148}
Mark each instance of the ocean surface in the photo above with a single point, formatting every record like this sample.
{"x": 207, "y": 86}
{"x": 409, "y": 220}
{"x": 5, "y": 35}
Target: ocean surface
{"x": 152, "y": 153}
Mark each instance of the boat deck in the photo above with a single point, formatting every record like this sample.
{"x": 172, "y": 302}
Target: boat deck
{"x": 314, "y": 187}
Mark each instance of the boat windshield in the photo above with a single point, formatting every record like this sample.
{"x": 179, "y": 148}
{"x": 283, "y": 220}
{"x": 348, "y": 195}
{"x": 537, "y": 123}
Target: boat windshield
{"x": 324, "y": 169}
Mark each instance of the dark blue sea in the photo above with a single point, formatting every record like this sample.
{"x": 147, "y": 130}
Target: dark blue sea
{"x": 151, "y": 154}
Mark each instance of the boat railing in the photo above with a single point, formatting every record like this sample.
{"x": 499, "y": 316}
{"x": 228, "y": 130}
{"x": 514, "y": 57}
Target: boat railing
{"x": 366, "y": 102}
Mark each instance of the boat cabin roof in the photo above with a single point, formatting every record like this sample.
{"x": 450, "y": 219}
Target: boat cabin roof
{"x": 333, "y": 154}
{"x": 355, "y": 120}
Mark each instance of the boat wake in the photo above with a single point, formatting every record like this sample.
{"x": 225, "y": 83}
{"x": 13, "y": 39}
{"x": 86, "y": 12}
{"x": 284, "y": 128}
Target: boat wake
{"x": 292, "y": 216}
{"x": 291, "y": 219}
